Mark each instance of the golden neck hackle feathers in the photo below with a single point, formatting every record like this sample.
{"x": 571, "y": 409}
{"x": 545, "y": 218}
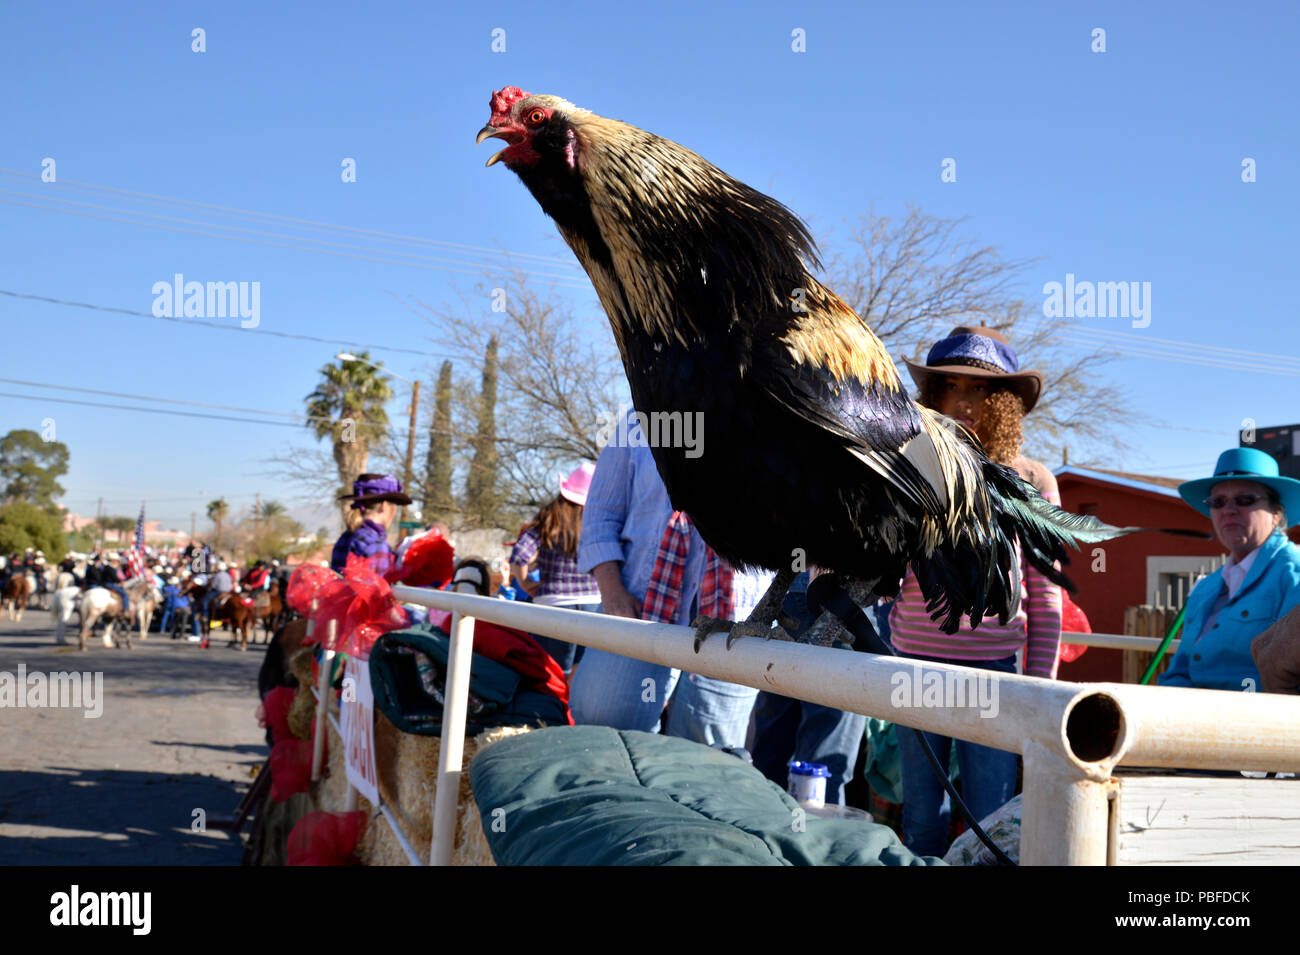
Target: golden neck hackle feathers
{"x": 640, "y": 186}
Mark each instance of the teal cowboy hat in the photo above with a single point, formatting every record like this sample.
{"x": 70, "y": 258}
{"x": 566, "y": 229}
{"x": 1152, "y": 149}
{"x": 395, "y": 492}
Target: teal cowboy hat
{"x": 1245, "y": 464}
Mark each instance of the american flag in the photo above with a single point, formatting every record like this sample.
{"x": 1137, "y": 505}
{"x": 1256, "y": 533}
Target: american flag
{"x": 135, "y": 556}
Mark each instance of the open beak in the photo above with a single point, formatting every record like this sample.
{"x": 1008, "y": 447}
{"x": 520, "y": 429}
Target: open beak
{"x": 511, "y": 135}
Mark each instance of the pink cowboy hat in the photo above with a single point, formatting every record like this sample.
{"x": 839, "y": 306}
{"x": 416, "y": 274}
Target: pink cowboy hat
{"x": 574, "y": 487}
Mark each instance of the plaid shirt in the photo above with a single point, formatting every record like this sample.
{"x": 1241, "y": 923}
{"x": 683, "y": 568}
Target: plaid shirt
{"x": 664, "y": 593}
{"x": 562, "y": 582}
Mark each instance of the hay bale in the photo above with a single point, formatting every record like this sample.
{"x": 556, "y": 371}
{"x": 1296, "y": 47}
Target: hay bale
{"x": 408, "y": 775}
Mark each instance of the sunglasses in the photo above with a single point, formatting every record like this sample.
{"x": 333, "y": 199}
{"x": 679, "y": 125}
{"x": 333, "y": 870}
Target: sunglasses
{"x": 1243, "y": 501}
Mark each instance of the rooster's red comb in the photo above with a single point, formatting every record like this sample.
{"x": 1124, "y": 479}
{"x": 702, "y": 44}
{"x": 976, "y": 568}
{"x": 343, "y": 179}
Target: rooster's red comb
{"x": 505, "y": 98}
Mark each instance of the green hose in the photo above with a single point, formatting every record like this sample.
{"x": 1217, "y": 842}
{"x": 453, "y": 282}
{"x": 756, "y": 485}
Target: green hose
{"x": 1164, "y": 645}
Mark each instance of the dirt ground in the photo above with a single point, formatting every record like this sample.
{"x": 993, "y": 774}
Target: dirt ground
{"x": 178, "y": 733}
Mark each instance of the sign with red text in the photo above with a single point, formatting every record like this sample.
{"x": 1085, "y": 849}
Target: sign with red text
{"x": 357, "y": 708}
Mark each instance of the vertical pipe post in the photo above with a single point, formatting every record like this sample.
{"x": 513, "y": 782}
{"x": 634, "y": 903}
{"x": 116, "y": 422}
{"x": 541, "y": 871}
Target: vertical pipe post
{"x": 1065, "y": 817}
{"x": 322, "y": 704}
{"x": 450, "y": 759}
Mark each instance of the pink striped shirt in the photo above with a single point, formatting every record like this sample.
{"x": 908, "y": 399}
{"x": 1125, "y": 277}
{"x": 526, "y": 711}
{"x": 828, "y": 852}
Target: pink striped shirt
{"x": 1039, "y": 620}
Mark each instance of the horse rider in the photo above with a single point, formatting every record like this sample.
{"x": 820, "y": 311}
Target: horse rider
{"x": 257, "y": 578}
{"x": 112, "y": 578}
{"x": 219, "y": 584}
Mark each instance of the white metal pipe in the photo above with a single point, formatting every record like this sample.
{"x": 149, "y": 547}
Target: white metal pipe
{"x": 1119, "y": 641}
{"x": 460, "y": 656}
{"x": 322, "y": 704}
{"x": 1085, "y": 724}
{"x": 1179, "y": 728}
{"x": 1063, "y": 817}
{"x": 395, "y": 824}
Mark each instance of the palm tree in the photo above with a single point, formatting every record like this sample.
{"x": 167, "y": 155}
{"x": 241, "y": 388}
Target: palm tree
{"x": 270, "y": 509}
{"x": 348, "y": 408}
{"x": 217, "y": 511}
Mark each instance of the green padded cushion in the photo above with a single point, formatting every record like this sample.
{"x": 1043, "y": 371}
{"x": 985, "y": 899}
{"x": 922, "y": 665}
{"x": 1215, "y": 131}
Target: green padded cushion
{"x": 591, "y": 795}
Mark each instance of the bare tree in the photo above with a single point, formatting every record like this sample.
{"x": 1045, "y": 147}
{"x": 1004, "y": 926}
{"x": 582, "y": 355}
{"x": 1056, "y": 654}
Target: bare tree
{"x": 559, "y": 383}
{"x": 914, "y": 279}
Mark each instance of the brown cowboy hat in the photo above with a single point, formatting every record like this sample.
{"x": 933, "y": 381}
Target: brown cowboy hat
{"x": 374, "y": 488}
{"x": 979, "y": 352}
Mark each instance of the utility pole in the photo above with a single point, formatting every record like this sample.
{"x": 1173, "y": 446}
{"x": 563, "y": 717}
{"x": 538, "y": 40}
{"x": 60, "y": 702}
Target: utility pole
{"x": 99, "y": 520}
{"x": 192, "y": 519}
{"x": 410, "y": 451}
{"x": 257, "y": 522}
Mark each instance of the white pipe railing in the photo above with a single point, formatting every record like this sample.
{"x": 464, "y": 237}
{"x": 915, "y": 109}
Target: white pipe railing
{"x": 1119, "y": 641}
{"x": 1072, "y": 735}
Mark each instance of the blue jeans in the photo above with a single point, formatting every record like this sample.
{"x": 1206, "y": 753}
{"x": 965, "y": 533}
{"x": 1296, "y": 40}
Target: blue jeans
{"x": 786, "y": 729}
{"x": 628, "y": 694}
{"x": 709, "y": 711}
{"x": 567, "y": 655}
{"x": 988, "y": 776}
{"x": 617, "y": 691}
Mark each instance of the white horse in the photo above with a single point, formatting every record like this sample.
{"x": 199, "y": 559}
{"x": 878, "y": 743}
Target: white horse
{"x": 144, "y": 600}
{"x": 66, "y": 602}
{"x": 97, "y": 603}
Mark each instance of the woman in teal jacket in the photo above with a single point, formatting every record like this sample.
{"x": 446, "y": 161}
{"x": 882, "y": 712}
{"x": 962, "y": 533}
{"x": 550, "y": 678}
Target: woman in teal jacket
{"x": 1250, "y": 506}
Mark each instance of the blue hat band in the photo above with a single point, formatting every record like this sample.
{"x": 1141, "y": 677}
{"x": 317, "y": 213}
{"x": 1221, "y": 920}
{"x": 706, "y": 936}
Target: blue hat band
{"x": 970, "y": 348}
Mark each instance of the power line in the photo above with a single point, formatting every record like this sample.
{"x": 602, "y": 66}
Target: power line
{"x": 228, "y": 327}
{"x": 1214, "y": 356}
{"x": 176, "y": 401}
{"x": 310, "y": 223}
{"x": 478, "y": 267}
{"x": 44, "y": 203}
{"x": 217, "y": 235}
{"x": 169, "y": 411}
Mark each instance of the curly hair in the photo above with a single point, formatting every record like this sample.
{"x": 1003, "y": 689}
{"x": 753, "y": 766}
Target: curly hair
{"x": 998, "y": 424}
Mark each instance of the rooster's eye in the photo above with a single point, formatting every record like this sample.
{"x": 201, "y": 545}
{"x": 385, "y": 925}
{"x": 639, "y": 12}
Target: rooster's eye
{"x": 535, "y": 117}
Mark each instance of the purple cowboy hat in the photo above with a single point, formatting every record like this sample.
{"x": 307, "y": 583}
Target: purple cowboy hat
{"x": 374, "y": 488}
{"x": 980, "y": 352}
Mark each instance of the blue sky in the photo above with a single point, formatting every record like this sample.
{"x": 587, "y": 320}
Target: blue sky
{"x": 1115, "y": 166}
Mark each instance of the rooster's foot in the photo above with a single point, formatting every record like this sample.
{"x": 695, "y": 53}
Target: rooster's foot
{"x": 744, "y": 628}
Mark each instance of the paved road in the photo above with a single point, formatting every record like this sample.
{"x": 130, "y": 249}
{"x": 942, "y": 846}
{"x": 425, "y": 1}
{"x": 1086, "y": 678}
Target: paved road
{"x": 178, "y": 732}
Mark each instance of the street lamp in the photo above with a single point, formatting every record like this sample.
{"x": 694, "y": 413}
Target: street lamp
{"x": 410, "y": 437}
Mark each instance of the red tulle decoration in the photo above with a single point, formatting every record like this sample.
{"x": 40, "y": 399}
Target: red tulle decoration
{"x": 1073, "y": 620}
{"x": 290, "y": 766}
{"x": 430, "y": 561}
{"x": 326, "y": 838}
{"x": 273, "y": 714}
{"x": 360, "y": 604}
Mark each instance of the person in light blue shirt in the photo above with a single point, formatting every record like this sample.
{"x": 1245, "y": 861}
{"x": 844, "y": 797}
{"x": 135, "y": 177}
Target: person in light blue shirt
{"x": 623, "y": 524}
{"x": 1251, "y": 507}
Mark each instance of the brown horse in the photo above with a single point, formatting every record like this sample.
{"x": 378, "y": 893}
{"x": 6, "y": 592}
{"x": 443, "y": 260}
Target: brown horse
{"x": 17, "y": 591}
{"x": 269, "y": 610}
{"x": 238, "y": 613}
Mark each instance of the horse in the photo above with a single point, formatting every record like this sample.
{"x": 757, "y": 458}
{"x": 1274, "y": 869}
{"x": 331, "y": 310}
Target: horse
{"x": 16, "y": 593}
{"x": 144, "y": 600}
{"x": 239, "y": 612}
{"x": 66, "y": 602}
{"x": 269, "y": 610}
{"x": 97, "y": 604}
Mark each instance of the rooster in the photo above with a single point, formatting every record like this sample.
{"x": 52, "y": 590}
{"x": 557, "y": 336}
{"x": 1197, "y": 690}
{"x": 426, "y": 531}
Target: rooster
{"x": 813, "y": 453}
